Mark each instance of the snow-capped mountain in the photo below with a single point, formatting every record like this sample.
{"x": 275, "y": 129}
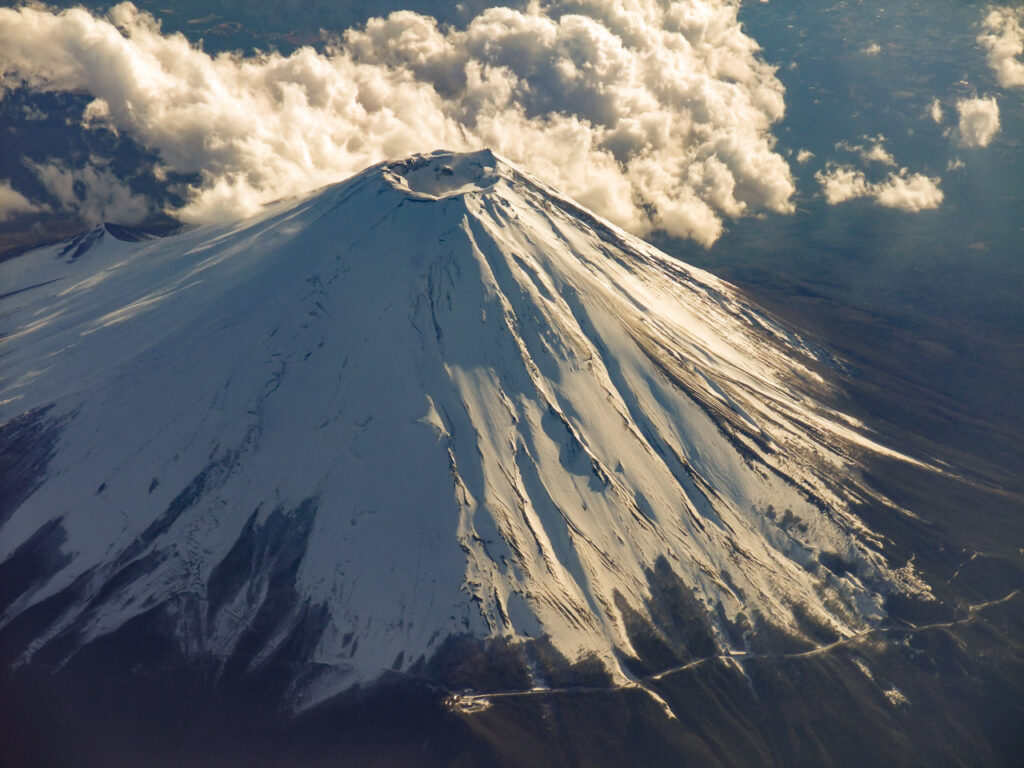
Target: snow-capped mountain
{"x": 437, "y": 399}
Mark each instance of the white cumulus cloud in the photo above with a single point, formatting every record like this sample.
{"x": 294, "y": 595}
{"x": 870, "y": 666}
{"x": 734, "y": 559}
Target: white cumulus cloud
{"x": 908, "y": 192}
{"x": 655, "y": 113}
{"x": 1003, "y": 37}
{"x": 93, "y": 192}
{"x": 873, "y": 152}
{"x": 979, "y": 121}
{"x": 901, "y": 190}
{"x": 13, "y": 203}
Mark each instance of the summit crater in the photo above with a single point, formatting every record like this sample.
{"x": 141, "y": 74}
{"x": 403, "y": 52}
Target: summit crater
{"x": 443, "y": 174}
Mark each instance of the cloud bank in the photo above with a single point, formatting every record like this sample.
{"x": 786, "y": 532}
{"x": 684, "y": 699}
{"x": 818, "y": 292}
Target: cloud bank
{"x": 979, "y": 121}
{"x": 656, "y": 114}
{"x": 1003, "y": 37}
{"x": 902, "y": 190}
{"x": 874, "y": 152}
{"x": 13, "y": 203}
{"x": 93, "y": 192}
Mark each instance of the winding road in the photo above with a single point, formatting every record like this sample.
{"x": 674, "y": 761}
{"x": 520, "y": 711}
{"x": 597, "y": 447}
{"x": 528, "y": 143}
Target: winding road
{"x": 477, "y": 702}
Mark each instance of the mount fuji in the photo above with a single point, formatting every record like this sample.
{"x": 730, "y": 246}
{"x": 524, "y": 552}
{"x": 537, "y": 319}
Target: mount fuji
{"x": 436, "y": 400}
{"x": 438, "y": 424}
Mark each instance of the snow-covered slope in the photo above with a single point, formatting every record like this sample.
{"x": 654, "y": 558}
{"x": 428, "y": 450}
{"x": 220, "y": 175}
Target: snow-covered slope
{"x": 437, "y": 398}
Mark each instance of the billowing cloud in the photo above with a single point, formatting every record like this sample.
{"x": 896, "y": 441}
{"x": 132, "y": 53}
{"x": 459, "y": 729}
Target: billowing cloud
{"x": 873, "y": 152}
{"x": 935, "y": 111}
{"x": 93, "y": 192}
{"x": 1003, "y": 37}
{"x": 13, "y": 203}
{"x": 842, "y": 183}
{"x": 979, "y": 121}
{"x": 901, "y": 190}
{"x": 908, "y": 192}
{"x": 655, "y": 113}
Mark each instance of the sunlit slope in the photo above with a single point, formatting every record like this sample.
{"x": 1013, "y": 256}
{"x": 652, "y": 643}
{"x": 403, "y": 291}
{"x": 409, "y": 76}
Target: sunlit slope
{"x": 436, "y": 399}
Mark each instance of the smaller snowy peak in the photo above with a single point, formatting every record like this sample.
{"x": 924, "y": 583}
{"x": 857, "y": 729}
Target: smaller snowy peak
{"x": 443, "y": 174}
{"x": 83, "y": 242}
{"x": 126, "y": 234}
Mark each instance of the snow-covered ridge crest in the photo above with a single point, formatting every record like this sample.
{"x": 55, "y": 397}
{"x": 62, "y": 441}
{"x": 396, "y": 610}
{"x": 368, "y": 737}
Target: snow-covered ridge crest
{"x": 436, "y": 399}
{"x": 442, "y": 174}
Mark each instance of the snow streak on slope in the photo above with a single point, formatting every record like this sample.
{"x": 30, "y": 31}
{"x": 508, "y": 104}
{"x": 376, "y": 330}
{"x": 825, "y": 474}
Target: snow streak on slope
{"x": 438, "y": 398}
